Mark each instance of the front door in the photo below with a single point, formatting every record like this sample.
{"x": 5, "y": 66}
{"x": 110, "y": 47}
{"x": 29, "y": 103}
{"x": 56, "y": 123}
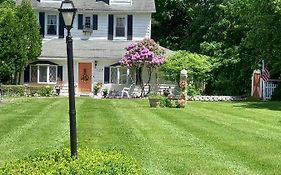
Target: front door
{"x": 85, "y": 77}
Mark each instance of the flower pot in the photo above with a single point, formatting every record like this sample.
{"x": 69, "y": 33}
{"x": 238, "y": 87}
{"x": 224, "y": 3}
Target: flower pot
{"x": 154, "y": 102}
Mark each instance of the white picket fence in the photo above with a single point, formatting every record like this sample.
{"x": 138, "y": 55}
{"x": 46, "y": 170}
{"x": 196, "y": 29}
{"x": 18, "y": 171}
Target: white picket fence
{"x": 270, "y": 86}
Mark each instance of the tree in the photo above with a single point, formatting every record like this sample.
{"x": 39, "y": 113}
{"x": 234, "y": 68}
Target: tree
{"x": 198, "y": 67}
{"x": 145, "y": 53}
{"x": 8, "y": 40}
{"x": 20, "y": 40}
{"x": 182, "y": 24}
{"x": 29, "y": 46}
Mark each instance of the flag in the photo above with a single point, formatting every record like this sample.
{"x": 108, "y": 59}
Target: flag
{"x": 265, "y": 74}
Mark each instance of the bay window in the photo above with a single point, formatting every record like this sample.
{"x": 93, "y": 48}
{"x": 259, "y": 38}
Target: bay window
{"x": 43, "y": 73}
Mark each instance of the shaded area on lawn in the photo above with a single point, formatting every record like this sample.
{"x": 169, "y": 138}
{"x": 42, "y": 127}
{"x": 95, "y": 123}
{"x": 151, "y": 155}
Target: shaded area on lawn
{"x": 270, "y": 105}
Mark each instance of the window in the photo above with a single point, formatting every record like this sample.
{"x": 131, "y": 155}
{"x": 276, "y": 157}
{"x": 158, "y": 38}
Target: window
{"x": 87, "y": 22}
{"x": 52, "y": 25}
{"x": 120, "y": 1}
{"x": 43, "y": 74}
{"x": 123, "y": 75}
{"x": 120, "y": 27}
{"x": 113, "y": 75}
{"x": 118, "y": 75}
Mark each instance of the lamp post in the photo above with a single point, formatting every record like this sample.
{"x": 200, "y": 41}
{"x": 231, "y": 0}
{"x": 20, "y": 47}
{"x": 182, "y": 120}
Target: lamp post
{"x": 67, "y": 10}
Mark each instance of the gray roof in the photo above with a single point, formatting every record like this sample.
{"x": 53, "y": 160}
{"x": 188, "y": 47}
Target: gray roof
{"x": 92, "y": 5}
{"x": 84, "y": 49}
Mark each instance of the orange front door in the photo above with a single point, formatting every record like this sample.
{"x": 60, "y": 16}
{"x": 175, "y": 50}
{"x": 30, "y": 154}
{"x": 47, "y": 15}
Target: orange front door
{"x": 85, "y": 77}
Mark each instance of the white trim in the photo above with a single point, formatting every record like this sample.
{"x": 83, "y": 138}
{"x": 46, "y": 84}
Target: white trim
{"x": 46, "y": 23}
{"x": 48, "y": 73}
{"x": 123, "y": 2}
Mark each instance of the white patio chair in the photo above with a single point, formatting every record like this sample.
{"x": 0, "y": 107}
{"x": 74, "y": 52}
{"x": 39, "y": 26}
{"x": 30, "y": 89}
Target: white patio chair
{"x": 126, "y": 91}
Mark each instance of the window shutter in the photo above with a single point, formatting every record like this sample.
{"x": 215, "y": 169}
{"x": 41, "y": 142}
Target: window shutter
{"x": 61, "y": 26}
{"x": 42, "y": 23}
{"x": 106, "y": 74}
{"x": 60, "y": 72}
{"x": 80, "y": 21}
{"x": 95, "y": 22}
{"x": 130, "y": 27}
{"x": 110, "y": 27}
{"x": 26, "y": 74}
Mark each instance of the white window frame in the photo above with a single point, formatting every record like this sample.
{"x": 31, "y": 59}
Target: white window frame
{"x": 46, "y": 24}
{"x": 48, "y": 73}
{"x": 115, "y": 24}
{"x": 121, "y": 2}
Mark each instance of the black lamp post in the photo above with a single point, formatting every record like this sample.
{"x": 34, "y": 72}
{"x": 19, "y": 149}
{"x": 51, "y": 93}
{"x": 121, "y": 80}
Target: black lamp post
{"x": 67, "y": 10}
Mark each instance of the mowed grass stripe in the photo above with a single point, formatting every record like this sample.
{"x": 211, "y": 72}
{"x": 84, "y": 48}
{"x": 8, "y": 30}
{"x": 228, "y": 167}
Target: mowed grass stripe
{"x": 245, "y": 112}
{"x": 210, "y": 158}
{"x": 252, "y": 149}
{"x": 147, "y": 120}
{"x": 144, "y": 145}
{"x": 235, "y": 118}
{"x": 46, "y": 129}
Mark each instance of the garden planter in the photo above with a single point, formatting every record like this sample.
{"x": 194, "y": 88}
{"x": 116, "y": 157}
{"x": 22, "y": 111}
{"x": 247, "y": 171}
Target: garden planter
{"x": 154, "y": 102}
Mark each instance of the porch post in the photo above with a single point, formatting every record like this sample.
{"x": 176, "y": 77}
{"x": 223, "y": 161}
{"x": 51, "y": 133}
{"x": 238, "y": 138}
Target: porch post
{"x": 128, "y": 75}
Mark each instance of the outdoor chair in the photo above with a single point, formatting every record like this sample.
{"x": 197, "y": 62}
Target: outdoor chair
{"x": 126, "y": 91}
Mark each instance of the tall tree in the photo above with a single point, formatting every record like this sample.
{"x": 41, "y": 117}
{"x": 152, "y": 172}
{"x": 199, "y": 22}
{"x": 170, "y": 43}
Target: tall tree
{"x": 8, "y": 40}
{"x": 20, "y": 40}
{"x": 29, "y": 46}
{"x": 182, "y": 24}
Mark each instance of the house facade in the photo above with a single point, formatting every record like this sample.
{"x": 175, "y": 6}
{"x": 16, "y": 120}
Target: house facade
{"x": 101, "y": 31}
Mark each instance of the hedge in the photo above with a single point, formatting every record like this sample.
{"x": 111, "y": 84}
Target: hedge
{"x": 60, "y": 162}
{"x": 27, "y": 90}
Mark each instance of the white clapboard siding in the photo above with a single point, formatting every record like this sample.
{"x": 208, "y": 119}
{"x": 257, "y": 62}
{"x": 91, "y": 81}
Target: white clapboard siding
{"x": 141, "y": 26}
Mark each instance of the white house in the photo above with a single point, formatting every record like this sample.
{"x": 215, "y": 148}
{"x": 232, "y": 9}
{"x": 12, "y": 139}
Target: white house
{"x": 101, "y": 31}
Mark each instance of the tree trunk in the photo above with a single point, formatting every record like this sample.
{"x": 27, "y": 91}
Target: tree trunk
{"x": 14, "y": 78}
{"x": 19, "y": 77}
{"x": 149, "y": 70}
{"x": 139, "y": 76}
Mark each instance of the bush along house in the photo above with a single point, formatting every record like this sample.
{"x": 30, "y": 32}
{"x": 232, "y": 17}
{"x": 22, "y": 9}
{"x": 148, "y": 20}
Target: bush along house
{"x": 101, "y": 31}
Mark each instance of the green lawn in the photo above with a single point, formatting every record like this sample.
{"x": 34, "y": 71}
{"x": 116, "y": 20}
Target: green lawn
{"x": 204, "y": 138}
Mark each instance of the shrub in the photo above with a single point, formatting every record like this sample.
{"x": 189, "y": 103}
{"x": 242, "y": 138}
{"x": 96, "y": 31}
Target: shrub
{"x": 155, "y": 95}
{"x": 192, "y": 90}
{"x": 43, "y": 91}
{"x": 13, "y": 90}
{"x": 60, "y": 162}
{"x": 276, "y": 96}
{"x": 28, "y": 90}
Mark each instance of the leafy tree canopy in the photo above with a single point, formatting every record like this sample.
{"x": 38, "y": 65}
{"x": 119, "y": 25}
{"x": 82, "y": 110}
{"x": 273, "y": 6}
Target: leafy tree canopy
{"x": 237, "y": 34}
{"x": 20, "y": 40}
{"x": 198, "y": 66}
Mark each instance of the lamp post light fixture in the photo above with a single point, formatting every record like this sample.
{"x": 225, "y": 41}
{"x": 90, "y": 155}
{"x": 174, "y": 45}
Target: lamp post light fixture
{"x": 67, "y": 10}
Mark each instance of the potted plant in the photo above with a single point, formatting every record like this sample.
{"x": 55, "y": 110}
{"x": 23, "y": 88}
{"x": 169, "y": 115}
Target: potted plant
{"x": 154, "y": 99}
{"x": 97, "y": 87}
{"x": 104, "y": 93}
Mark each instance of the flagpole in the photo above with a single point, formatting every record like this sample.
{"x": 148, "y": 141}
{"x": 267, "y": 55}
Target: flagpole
{"x": 263, "y": 83}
